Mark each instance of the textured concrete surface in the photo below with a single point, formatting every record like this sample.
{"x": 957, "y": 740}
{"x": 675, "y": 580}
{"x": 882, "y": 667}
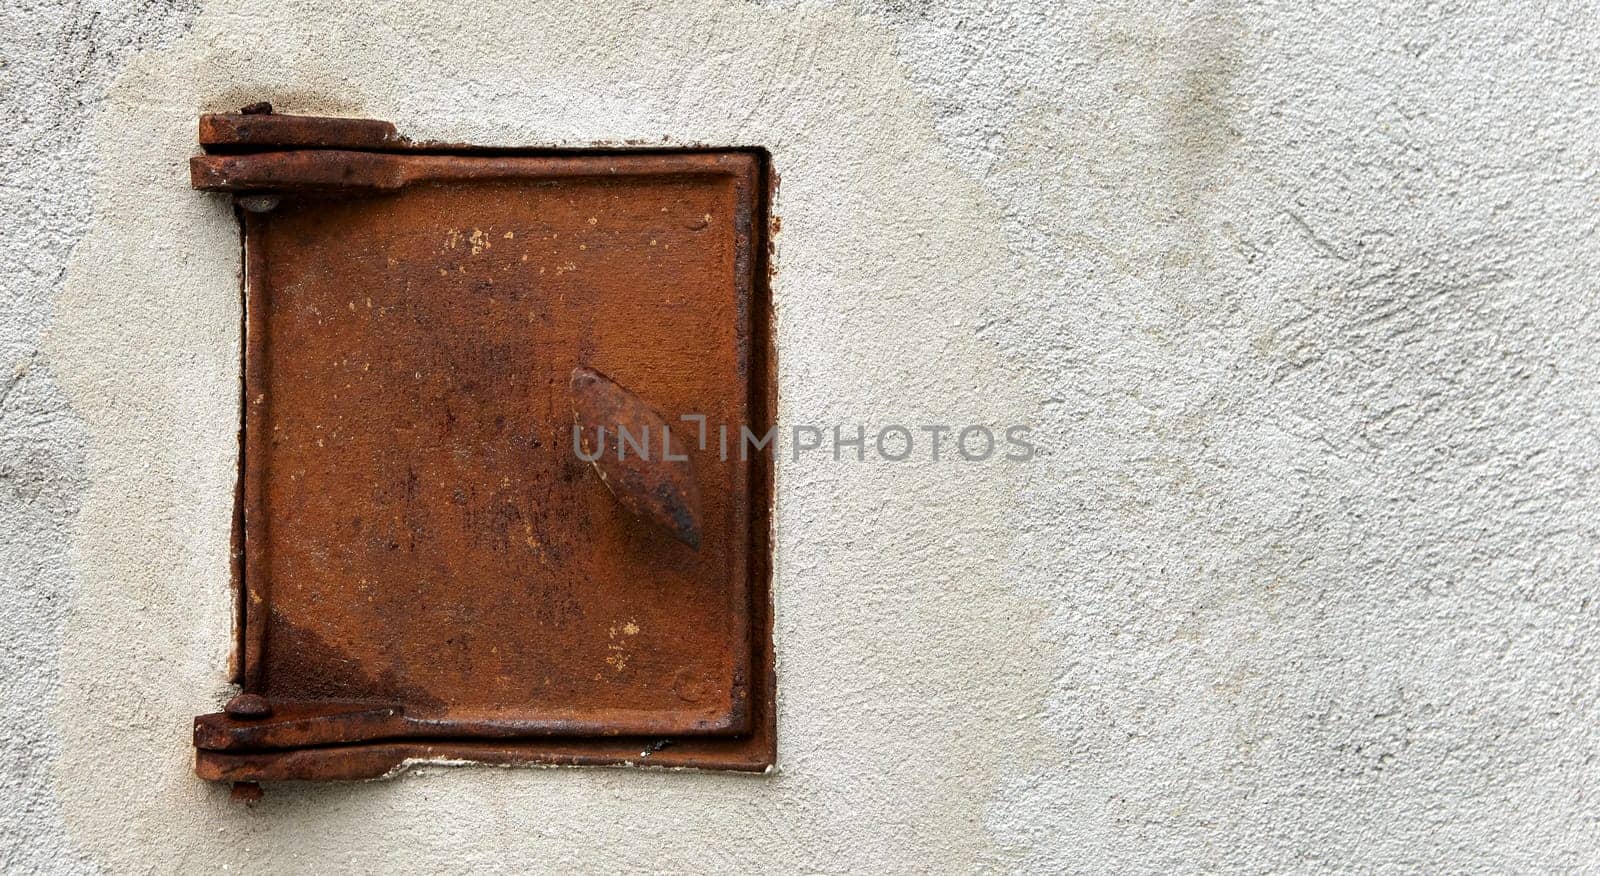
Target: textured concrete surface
{"x": 57, "y": 62}
{"x": 1300, "y": 302}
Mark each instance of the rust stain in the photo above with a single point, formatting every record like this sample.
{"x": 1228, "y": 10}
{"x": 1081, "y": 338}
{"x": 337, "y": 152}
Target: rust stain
{"x": 306, "y": 667}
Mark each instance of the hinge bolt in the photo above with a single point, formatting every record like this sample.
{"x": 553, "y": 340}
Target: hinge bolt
{"x": 258, "y": 203}
{"x": 248, "y": 707}
{"x": 246, "y": 792}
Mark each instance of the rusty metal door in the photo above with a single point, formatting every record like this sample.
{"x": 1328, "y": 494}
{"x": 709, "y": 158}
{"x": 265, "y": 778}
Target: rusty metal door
{"x": 430, "y": 566}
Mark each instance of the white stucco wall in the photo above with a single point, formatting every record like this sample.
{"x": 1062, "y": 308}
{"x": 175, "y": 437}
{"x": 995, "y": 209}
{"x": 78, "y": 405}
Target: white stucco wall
{"x": 1301, "y": 303}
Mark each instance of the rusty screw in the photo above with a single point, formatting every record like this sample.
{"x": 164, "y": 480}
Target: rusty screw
{"x": 258, "y": 203}
{"x": 248, "y": 707}
{"x": 248, "y": 793}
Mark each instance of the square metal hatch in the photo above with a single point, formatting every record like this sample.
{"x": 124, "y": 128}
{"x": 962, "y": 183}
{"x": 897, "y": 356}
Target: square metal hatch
{"x": 429, "y": 569}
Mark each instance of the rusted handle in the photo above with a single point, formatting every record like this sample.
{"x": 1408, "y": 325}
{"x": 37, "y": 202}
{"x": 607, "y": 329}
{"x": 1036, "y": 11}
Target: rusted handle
{"x": 644, "y": 465}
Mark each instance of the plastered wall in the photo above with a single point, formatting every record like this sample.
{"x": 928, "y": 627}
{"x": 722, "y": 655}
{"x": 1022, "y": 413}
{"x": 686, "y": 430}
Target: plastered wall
{"x": 1300, "y": 302}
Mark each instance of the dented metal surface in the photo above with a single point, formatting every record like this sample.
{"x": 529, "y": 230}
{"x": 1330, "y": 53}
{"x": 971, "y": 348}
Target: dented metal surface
{"x": 654, "y": 482}
{"x": 425, "y": 555}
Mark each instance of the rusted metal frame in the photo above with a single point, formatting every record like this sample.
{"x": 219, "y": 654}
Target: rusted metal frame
{"x": 762, "y": 387}
{"x": 257, "y": 405}
{"x": 340, "y": 170}
{"x": 317, "y": 724}
{"x": 744, "y": 285}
